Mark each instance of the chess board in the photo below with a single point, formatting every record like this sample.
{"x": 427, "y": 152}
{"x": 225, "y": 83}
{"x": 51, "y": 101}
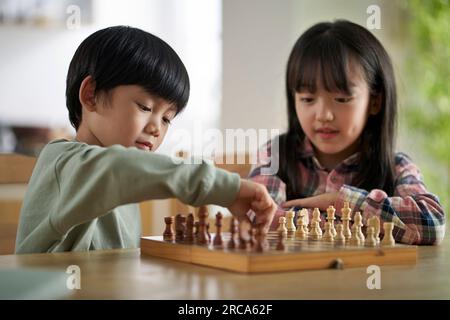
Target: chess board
{"x": 297, "y": 255}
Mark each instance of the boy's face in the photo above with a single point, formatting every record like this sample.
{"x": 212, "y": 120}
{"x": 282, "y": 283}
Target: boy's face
{"x": 128, "y": 116}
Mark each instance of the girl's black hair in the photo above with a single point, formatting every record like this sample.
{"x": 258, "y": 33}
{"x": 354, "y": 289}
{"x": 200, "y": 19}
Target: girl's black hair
{"x": 327, "y": 49}
{"x": 123, "y": 55}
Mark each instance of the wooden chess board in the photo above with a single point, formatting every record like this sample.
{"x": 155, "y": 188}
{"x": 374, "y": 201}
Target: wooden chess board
{"x": 298, "y": 255}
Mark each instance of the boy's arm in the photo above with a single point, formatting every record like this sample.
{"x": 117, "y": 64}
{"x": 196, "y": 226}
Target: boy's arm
{"x": 93, "y": 182}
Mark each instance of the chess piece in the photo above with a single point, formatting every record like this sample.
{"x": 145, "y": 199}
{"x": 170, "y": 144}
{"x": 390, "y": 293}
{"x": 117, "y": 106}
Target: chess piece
{"x": 370, "y": 240}
{"x": 218, "y": 242}
{"x": 388, "y": 239}
{"x": 261, "y": 239}
{"x": 242, "y": 240}
{"x": 354, "y": 239}
{"x": 315, "y": 233}
{"x": 189, "y": 237}
{"x": 375, "y": 223}
{"x": 305, "y": 217}
{"x": 300, "y": 233}
{"x": 207, "y": 232}
{"x": 340, "y": 238}
{"x": 316, "y": 218}
{"x": 280, "y": 243}
{"x": 282, "y": 226}
{"x": 331, "y": 218}
{"x": 358, "y": 222}
{"x": 180, "y": 227}
{"x": 232, "y": 242}
{"x": 345, "y": 217}
{"x": 290, "y": 226}
{"x": 168, "y": 232}
{"x": 202, "y": 237}
{"x": 328, "y": 234}
{"x": 251, "y": 240}
{"x": 196, "y": 230}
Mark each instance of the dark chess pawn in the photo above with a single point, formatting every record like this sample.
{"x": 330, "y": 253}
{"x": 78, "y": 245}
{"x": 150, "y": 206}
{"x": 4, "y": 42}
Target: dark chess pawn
{"x": 232, "y": 242}
{"x": 168, "y": 232}
{"x": 218, "y": 242}
{"x": 280, "y": 243}
{"x": 189, "y": 237}
{"x": 180, "y": 227}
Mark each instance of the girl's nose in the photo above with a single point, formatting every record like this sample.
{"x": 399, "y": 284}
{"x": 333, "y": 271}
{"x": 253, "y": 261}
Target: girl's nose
{"x": 324, "y": 113}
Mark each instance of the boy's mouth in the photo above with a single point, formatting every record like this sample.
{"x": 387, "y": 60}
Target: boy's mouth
{"x": 144, "y": 145}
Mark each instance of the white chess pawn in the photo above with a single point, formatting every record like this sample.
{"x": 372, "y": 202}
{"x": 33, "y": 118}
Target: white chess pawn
{"x": 328, "y": 234}
{"x": 345, "y": 217}
{"x": 388, "y": 239}
{"x": 354, "y": 239}
{"x": 316, "y": 218}
{"x": 290, "y": 223}
{"x": 370, "y": 240}
{"x": 330, "y": 218}
{"x": 300, "y": 233}
{"x": 376, "y": 226}
{"x": 358, "y": 222}
{"x": 316, "y": 233}
{"x": 340, "y": 238}
{"x": 282, "y": 226}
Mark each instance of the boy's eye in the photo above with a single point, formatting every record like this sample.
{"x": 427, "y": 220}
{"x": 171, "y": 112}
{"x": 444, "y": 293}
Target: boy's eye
{"x": 144, "y": 108}
{"x": 167, "y": 120}
{"x": 344, "y": 99}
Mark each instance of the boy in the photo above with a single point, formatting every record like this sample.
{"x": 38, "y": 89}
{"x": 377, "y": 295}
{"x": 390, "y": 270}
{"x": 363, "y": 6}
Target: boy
{"x": 124, "y": 87}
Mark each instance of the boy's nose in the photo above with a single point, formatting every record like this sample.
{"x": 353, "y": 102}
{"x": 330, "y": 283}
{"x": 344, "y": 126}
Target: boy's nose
{"x": 153, "y": 128}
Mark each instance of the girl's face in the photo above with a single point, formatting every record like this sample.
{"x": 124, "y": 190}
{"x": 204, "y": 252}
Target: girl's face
{"x": 333, "y": 121}
{"x": 128, "y": 116}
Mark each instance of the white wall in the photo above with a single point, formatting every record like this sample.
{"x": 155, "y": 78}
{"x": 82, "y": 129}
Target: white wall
{"x": 34, "y": 61}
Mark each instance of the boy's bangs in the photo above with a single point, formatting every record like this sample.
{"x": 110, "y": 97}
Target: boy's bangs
{"x": 324, "y": 62}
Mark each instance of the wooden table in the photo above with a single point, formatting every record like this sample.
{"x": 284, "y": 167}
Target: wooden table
{"x": 125, "y": 274}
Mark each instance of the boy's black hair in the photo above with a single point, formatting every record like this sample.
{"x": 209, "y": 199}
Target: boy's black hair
{"x": 325, "y": 51}
{"x": 123, "y": 55}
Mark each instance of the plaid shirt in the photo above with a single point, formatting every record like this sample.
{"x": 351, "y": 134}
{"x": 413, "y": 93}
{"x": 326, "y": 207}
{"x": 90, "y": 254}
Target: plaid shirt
{"x": 417, "y": 214}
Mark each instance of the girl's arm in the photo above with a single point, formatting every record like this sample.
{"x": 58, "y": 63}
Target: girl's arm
{"x": 417, "y": 214}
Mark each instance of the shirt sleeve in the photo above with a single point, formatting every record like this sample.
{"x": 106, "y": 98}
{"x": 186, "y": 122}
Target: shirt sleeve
{"x": 275, "y": 186}
{"x": 95, "y": 180}
{"x": 417, "y": 215}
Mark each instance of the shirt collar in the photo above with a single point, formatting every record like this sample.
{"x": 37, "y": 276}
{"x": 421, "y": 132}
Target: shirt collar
{"x": 307, "y": 151}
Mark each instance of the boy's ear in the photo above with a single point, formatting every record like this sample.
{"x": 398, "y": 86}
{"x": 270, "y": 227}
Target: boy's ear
{"x": 375, "y": 104}
{"x": 87, "y": 93}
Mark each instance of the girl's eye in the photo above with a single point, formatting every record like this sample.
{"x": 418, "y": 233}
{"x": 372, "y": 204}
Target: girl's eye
{"x": 306, "y": 99}
{"x": 344, "y": 99}
{"x": 144, "y": 108}
{"x": 167, "y": 120}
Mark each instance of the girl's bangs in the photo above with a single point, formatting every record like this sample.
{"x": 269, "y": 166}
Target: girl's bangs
{"x": 325, "y": 63}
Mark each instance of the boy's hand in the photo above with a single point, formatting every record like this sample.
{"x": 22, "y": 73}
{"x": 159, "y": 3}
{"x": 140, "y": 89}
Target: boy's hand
{"x": 253, "y": 196}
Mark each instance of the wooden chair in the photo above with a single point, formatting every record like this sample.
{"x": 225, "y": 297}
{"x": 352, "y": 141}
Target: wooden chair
{"x": 15, "y": 172}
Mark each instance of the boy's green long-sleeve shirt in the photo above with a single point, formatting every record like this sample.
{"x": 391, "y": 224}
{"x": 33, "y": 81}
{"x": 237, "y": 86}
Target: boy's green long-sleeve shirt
{"x": 83, "y": 197}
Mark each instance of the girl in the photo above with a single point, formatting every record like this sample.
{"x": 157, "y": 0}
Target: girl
{"x": 341, "y": 102}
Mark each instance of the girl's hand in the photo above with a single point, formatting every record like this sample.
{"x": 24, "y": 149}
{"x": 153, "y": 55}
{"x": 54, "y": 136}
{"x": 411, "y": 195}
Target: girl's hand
{"x": 322, "y": 201}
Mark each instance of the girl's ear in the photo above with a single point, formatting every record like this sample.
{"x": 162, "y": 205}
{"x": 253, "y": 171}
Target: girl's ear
{"x": 375, "y": 104}
{"x": 87, "y": 93}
